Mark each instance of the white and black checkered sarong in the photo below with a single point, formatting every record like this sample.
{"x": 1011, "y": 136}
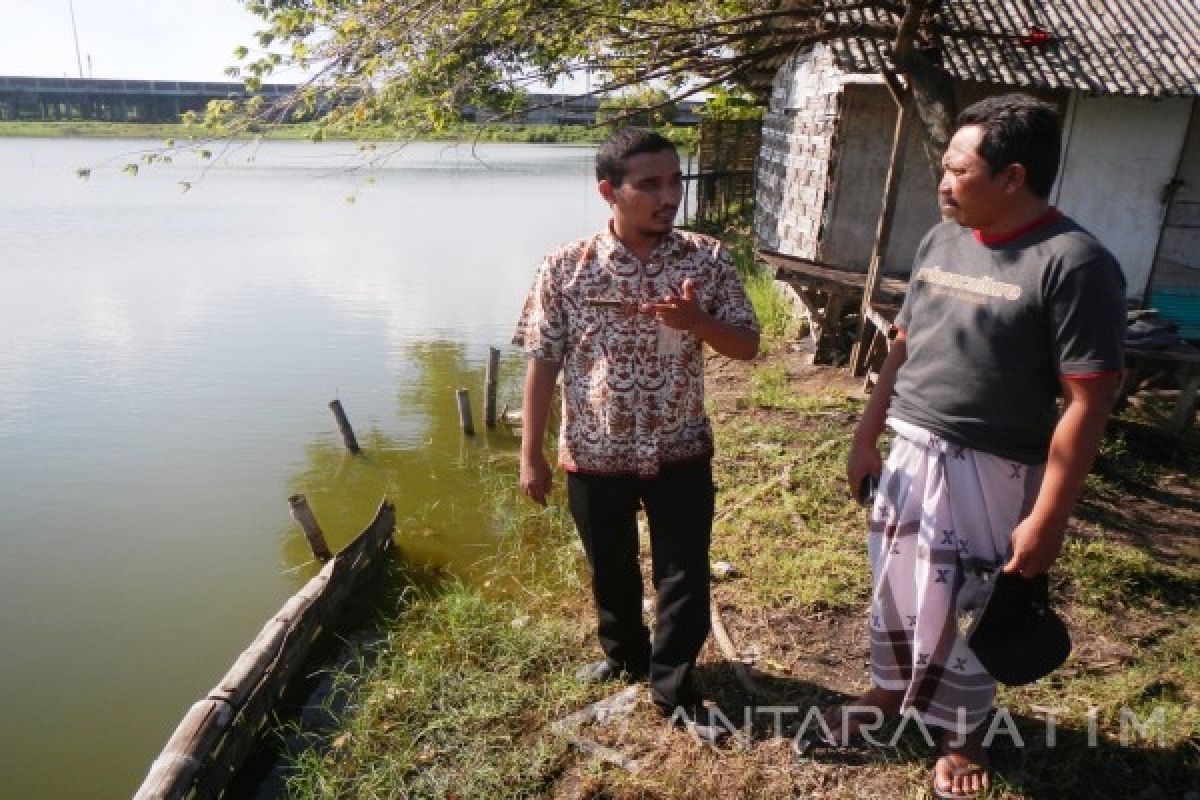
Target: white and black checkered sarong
{"x": 941, "y": 512}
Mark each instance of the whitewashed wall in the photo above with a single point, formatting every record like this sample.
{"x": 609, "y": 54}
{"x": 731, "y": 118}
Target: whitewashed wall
{"x": 1120, "y": 153}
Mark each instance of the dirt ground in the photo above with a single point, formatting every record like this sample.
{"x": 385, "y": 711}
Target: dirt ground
{"x": 797, "y": 655}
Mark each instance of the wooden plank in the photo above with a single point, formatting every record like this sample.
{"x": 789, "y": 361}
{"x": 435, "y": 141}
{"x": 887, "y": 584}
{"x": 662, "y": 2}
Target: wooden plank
{"x": 882, "y": 316}
{"x": 883, "y": 232}
{"x": 1185, "y": 406}
{"x": 1182, "y": 354}
{"x": 1183, "y": 214}
{"x": 811, "y": 272}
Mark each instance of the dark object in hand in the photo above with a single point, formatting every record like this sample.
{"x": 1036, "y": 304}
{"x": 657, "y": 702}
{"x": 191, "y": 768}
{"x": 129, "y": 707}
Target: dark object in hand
{"x": 1019, "y": 638}
{"x": 867, "y": 489}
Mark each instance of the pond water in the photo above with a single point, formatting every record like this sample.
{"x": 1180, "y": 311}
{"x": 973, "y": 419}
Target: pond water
{"x": 170, "y": 342}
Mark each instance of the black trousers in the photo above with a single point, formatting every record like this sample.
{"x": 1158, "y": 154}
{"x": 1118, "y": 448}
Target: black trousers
{"x": 679, "y": 509}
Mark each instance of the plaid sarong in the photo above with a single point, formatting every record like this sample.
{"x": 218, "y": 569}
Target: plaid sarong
{"x": 942, "y": 512}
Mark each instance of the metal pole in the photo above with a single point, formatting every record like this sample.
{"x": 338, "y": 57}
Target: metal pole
{"x": 75, "y": 32}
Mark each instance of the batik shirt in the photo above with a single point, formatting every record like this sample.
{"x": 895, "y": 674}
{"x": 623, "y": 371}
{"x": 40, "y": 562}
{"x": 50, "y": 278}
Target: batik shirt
{"x": 633, "y": 390}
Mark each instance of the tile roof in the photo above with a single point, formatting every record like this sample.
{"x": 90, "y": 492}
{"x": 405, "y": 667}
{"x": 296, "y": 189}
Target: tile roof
{"x": 1148, "y": 48}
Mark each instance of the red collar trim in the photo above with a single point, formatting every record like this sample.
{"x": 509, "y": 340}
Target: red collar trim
{"x": 1051, "y": 215}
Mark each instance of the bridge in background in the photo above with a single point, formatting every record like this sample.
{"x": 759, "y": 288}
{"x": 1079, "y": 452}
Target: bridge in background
{"x": 28, "y": 98}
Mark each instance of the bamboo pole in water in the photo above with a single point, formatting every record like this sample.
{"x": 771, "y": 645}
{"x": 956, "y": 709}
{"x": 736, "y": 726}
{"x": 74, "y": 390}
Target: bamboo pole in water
{"x": 490, "y": 378}
{"x": 464, "y": 412}
{"x": 303, "y": 515}
{"x": 343, "y": 424}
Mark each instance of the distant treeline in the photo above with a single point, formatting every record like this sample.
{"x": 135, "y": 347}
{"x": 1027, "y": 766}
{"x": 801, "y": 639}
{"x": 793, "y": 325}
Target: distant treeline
{"x": 545, "y": 134}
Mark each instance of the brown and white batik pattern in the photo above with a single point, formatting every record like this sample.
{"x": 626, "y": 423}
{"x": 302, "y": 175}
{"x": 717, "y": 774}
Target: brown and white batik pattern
{"x": 630, "y": 403}
{"x": 944, "y": 515}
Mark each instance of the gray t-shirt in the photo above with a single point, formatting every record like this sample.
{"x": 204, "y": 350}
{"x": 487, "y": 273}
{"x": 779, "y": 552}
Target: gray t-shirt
{"x": 991, "y": 327}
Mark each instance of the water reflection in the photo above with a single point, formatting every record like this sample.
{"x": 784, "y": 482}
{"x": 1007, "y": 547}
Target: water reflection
{"x": 443, "y": 488}
{"x": 166, "y": 366}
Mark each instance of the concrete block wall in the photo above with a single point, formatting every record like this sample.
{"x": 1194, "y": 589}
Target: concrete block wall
{"x": 795, "y": 162}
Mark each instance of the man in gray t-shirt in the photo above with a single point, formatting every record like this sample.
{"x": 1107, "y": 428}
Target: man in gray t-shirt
{"x": 1011, "y": 306}
{"x": 993, "y": 325}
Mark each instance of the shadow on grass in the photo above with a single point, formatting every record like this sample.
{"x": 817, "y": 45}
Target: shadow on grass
{"x": 310, "y": 715}
{"x": 1135, "y": 451}
{"x": 1078, "y": 758}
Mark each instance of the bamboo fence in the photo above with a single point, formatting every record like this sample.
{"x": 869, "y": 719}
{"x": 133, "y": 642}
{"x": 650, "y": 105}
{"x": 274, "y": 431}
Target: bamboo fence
{"x": 220, "y": 732}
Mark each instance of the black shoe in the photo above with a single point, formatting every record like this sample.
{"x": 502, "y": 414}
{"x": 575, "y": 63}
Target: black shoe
{"x": 700, "y": 722}
{"x": 604, "y": 671}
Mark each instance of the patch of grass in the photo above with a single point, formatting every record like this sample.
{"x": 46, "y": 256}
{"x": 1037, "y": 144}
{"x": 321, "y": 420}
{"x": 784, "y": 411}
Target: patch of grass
{"x": 775, "y": 319}
{"x": 1158, "y": 687}
{"x": 1119, "y": 467}
{"x": 788, "y": 522}
{"x": 1104, "y": 575}
{"x": 770, "y": 387}
{"x": 453, "y": 705}
{"x": 1137, "y": 453}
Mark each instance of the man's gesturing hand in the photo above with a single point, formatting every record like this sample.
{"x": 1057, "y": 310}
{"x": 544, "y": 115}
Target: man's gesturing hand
{"x": 536, "y": 477}
{"x": 678, "y": 311}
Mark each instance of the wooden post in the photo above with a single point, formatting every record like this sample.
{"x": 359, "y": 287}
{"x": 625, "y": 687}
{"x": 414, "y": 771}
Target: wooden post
{"x": 343, "y": 423}
{"x": 1185, "y": 406}
{"x": 489, "y": 378}
{"x": 464, "y": 412}
{"x": 312, "y": 531}
{"x": 883, "y": 232}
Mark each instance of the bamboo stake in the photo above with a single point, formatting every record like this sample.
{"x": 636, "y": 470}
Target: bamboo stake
{"x": 343, "y": 423}
{"x": 730, "y": 651}
{"x": 490, "y": 378}
{"x": 464, "y": 412}
{"x": 303, "y": 515}
{"x": 883, "y": 231}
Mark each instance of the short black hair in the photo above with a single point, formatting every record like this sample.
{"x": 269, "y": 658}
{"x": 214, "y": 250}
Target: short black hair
{"x": 625, "y": 143}
{"x": 1018, "y": 129}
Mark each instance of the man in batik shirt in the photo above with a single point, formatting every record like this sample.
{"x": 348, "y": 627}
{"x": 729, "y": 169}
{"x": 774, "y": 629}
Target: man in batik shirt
{"x": 1010, "y": 306}
{"x": 624, "y": 314}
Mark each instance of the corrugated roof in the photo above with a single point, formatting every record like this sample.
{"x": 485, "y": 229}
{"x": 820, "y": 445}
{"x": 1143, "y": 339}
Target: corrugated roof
{"x": 1147, "y": 48}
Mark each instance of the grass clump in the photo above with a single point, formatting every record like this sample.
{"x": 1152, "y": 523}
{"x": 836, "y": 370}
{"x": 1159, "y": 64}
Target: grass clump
{"x": 770, "y": 387}
{"x": 787, "y": 518}
{"x": 454, "y": 705}
{"x": 1105, "y": 574}
{"x": 775, "y": 317}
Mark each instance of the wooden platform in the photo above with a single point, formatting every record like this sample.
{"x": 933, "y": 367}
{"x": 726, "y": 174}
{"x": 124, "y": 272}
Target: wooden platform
{"x": 1181, "y": 363}
{"x": 831, "y": 296}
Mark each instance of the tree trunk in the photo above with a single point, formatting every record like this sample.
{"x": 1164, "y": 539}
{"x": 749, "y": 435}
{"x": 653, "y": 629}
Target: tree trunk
{"x": 931, "y": 86}
{"x": 933, "y": 99}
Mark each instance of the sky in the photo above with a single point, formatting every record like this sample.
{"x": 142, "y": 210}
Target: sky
{"x": 179, "y": 40}
{"x": 132, "y": 39}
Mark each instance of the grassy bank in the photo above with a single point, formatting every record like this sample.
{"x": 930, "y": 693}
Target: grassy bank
{"x": 542, "y": 134}
{"x": 453, "y": 705}
{"x": 465, "y": 682}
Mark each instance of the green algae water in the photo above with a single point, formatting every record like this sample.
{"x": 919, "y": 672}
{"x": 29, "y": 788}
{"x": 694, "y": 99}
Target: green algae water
{"x": 168, "y": 346}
